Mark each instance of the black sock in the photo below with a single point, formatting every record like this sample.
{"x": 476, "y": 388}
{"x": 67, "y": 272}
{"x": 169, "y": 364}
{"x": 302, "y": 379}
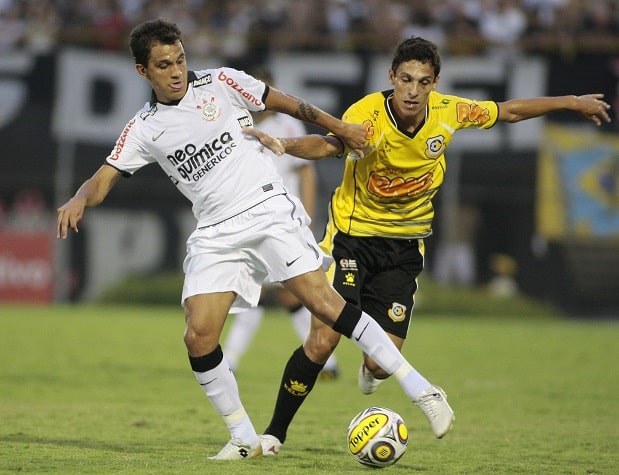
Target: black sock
{"x": 304, "y": 373}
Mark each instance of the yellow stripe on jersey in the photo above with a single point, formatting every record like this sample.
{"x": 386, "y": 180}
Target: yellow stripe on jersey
{"x": 389, "y": 192}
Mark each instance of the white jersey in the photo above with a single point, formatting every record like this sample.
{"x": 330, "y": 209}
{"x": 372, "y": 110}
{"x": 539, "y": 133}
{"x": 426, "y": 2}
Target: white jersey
{"x": 199, "y": 144}
{"x": 282, "y": 125}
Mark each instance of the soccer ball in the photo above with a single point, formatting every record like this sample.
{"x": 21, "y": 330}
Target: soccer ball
{"x": 377, "y": 437}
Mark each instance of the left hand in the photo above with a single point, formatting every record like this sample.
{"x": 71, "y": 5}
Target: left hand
{"x": 273, "y": 144}
{"x": 593, "y": 108}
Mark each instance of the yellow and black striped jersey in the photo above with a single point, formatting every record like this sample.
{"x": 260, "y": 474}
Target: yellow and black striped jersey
{"x": 389, "y": 192}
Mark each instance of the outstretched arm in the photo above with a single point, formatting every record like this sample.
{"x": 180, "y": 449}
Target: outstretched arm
{"x": 310, "y": 147}
{"x": 590, "y": 106}
{"x": 353, "y": 135}
{"x": 92, "y": 192}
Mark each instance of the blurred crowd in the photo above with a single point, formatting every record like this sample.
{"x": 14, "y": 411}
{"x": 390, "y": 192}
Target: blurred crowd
{"x": 237, "y": 29}
{"x": 28, "y": 212}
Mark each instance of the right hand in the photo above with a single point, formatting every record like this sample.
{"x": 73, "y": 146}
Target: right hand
{"x": 69, "y": 215}
{"x": 592, "y": 107}
{"x": 353, "y": 135}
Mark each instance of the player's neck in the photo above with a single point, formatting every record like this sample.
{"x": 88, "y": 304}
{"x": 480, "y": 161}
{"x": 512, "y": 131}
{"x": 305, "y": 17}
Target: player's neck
{"x": 408, "y": 123}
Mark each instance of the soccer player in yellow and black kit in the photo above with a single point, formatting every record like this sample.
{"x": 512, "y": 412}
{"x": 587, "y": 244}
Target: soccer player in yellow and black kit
{"x": 382, "y": 210}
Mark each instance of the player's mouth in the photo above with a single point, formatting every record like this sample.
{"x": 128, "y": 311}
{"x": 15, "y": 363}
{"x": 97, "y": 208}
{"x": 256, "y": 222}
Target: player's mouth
{"x": 410, "y": 104}
{"x": 177, "y": 86}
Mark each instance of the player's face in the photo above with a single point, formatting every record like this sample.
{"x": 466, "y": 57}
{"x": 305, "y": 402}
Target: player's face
{"x": 412, "y": 82}
{"x": 166, "y": 71}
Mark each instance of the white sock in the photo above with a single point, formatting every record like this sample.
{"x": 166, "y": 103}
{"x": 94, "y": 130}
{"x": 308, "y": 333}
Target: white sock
{"x": 241, "y": 333}
{"x": 301, "y": 321}
{"x": 372, "y": 339}
{"x": 221, "y": 388}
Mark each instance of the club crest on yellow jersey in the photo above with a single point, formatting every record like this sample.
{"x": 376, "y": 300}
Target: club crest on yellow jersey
{"x": 436, "y": 146}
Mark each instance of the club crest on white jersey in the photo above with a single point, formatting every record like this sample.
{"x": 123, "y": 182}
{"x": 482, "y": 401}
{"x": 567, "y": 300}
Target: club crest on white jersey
{"x": 210, "y": 110}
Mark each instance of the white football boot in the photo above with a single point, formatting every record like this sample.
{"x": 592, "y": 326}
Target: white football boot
{"x": 270, "y": 444}
{"x": 235, "y": 449}
{"x": 433, "y": 403}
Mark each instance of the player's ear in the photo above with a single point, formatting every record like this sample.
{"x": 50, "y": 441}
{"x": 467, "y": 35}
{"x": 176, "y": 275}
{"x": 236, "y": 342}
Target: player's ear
{"x": 391, "y": 76}
{"x": 435, "y": 84}
{"x": 142, "y": 71}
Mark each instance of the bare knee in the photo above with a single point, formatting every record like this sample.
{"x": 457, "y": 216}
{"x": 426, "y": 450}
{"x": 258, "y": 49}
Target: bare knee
{"x": 319, "y": 345}
{"x": 197, "y": 340}
{"x": 200, "y": 337}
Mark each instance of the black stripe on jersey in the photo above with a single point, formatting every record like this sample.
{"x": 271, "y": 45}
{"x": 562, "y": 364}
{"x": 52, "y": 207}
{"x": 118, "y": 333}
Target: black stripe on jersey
{"x": 266, "y": 93}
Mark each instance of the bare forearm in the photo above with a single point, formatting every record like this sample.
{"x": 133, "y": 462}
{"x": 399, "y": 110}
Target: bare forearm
{"x": 298, "y": 108}
{"x": 94, "y": 191}
{"x": 521, "y": 109}
{"x": 313, "y": 147}
{"x": 353, "y": 135}
{"x": 590, "y": 106}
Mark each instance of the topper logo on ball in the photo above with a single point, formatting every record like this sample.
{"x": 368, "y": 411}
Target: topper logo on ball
{"x": 365, "y": 430}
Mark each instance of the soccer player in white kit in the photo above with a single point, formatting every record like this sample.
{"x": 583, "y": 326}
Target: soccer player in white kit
{"x": 299, "y": 177}
{"x": 248, "y": 226}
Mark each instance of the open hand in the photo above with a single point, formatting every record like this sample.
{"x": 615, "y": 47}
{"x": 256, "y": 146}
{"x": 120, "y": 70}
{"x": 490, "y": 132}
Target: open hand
{"x": 69, "y": 215}
{"x": 273, "y": 144}
{"x": 593, "y": 108}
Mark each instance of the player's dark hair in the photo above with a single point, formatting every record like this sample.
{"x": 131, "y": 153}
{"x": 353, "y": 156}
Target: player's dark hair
{"x": 417, "y": 49}
{"x": 144, "y": 36}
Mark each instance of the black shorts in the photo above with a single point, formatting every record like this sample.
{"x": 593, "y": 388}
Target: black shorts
{"x": 379, "y": 275}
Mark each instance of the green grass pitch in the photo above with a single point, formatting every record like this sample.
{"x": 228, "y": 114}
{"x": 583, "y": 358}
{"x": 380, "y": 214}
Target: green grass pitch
{"x": 108, "y": 389}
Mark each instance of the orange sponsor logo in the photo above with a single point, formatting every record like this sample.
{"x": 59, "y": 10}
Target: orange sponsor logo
{"x": 369, "y": 129}
{"x": 385, "y": 187}
{"x": 472, "y": 112}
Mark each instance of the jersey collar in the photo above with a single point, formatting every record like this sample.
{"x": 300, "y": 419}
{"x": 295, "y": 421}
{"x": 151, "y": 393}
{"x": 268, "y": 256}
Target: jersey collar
{"x": 388, "y": 108}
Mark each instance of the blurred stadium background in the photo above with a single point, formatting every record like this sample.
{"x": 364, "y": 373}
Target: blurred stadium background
{"x": 529, "y": 209}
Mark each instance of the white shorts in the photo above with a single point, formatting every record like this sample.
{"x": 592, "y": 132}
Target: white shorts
{"x": 271, "y": 239}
